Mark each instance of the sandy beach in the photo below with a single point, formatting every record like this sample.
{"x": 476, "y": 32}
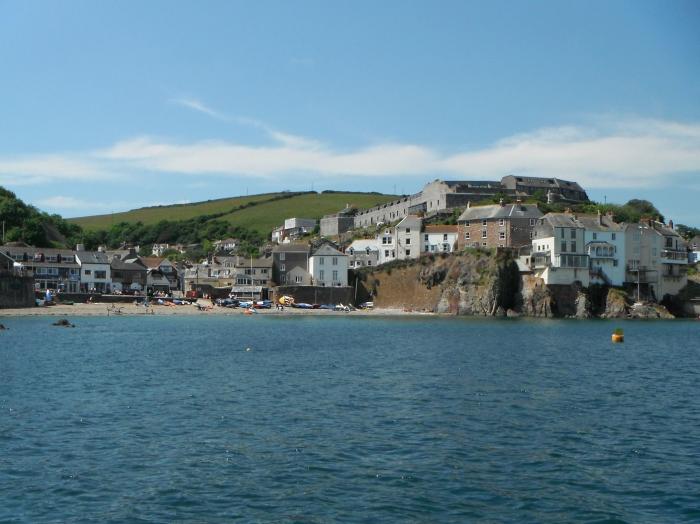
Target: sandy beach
{"x": 103, "y": 309}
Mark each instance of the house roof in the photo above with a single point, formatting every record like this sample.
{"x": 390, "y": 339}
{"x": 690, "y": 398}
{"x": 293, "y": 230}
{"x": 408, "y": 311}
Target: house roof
{"x": 598, "y": 223}
{"x": 441, "y": 229}
{"x": 125, "y": 266}
{"x": 152, "y": 262}
{"x": 291, "y": 248}
{"x": 362, "y": 244}
{"x": 560, "y": 220}
{"x": 327, "y": 249}
{"x": 92, "y": 257}
{"x": 500, "y": 211}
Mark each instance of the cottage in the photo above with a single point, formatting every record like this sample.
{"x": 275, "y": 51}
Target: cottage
{"x": 95, "y": 271}
{"x": 286, "y": 257}
{"x": 328, "y": 267}
{"x": 440, "y": 238}
{"x": 363, "y": 253}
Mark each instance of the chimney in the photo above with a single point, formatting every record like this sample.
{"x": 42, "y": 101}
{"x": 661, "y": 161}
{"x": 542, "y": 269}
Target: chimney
{"x": 468, "y": 203}
{"x": 501, "y": 202}
{"x": 600, "y": 218}
{"x": 80, "y": 247}
{"x": 670, "y": 224}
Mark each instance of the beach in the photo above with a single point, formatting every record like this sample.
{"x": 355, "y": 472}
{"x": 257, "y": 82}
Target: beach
{"x": 104, "y": 309}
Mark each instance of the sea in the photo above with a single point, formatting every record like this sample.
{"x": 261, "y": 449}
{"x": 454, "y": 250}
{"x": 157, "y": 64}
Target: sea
{"x": 315, "y": 419}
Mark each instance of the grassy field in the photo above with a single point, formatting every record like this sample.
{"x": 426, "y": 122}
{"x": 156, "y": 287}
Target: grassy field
{"x": 262, "y": 217}
{"x": 265, "y": 216}
{"x": 153, "y": 215}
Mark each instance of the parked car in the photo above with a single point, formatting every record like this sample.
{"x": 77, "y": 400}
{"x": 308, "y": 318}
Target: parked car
{"x": 367, "y": 305}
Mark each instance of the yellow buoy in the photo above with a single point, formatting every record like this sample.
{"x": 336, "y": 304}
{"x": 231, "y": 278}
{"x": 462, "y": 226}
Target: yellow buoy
{"x": 618, "y": 336}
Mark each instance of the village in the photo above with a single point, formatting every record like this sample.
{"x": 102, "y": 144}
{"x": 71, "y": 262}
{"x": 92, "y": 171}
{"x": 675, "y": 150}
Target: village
{"x": 311, "y": 262}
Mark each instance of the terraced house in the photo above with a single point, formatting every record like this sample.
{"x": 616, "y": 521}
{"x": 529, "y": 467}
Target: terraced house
{"x": 499, "y": 225}
{"x": 55, "y": 269}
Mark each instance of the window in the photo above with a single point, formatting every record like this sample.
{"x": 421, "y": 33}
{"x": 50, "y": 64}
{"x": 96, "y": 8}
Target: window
{"x": 282, "y": 268}
{"x": 532, "y": 235}
{"x": 483, "y": 244}
{"x": 408, "y": 252}
{"x": 282, "y": 256}
{"x": 335, "y": 276}
{"x": 369, "y": 262}
{"x": 573, "y": 234}
{"x": 532, "y": 221}
{"x": 573, "y": 246}
{"x": 502, "y": 235}
{"x": 408, "y": 230}
{"x": 408, "y": 241}
{"x": 483, "y": 222}
{"x": 444, "y": 237}
{"x": 466, "y": 223}
{"x": 563, "y": 246}
{"x": 425, "y": 238}
{"x": 386, "y": 253}
{"x": 561, "y": 233}
{"x": 100, "y": 274}
{"x": 466, "y": 235}
{"x": 298, "y": 279}
{"x": 483, "y": 234}
{"x": 322, "y": 275}
{"x": 263, "y": 271}
{"x": 335, "y": 261}
{"x": 501, "y": 222}
{"x": 614, "y": 236}
{"x": 88, "y": 271}
{"x": 595, "y": 236}
{"x": 321, "y": 261}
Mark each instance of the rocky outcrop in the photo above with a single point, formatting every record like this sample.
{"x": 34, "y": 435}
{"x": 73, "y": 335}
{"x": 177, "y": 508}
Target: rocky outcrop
{"x": 484, "y": 283}
{"x": 535, "y": 298}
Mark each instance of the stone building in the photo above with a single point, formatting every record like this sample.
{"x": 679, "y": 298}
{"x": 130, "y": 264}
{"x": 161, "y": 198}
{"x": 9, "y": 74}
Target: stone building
{"x": 499, "y": 225}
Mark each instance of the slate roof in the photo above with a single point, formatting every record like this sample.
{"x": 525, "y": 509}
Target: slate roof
{"x": 500, "y": 211}
{"x": 92, "y": 257}
{"x": 291, "y": 248}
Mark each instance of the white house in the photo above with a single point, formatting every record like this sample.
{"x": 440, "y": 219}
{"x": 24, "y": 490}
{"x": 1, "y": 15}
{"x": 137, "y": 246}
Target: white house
{"x": 558, "y": 250}
{"x": 439, "y": 239}
{"x": 408, "y": 237}
{"x": 605, "y": 245}
{"x": 328, "y": 267}
{"x": 95, "y": 271}
{"x": 363, "y": 252}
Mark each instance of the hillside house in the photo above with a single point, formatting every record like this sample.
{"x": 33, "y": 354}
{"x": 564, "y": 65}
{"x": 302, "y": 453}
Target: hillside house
{"x": 440, "y": 238}
{"x": 559, "y": 254}
{"x": 498, "y": 225}
{"x": 328, "y": 267}
{"x": 285, "y": 258}
{"x": 656, "y": 259}
{"x": 363, "y": 253}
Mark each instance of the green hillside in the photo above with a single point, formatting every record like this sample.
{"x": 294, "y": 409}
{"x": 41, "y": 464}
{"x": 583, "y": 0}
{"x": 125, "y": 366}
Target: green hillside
{"x": 265, "y": 216}
{"x": 268, "y": 210}
{"x": 153, "y": 215}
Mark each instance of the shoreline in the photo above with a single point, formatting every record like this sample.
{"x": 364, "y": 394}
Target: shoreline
{"x": 125, "y": 310}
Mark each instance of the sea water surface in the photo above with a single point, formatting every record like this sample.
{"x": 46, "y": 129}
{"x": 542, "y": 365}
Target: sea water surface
{"x": 348, "y": 419}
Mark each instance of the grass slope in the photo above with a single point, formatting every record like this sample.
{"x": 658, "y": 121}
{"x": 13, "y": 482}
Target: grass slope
{"x": 262, "y": 217}
{"x": 153, "y": 215}
{"x": 266, "y": 216}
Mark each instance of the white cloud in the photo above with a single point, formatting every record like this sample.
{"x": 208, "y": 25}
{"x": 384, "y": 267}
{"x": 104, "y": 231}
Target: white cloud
{"x": 607, "y": 153}
{"x": 198, "y": 105}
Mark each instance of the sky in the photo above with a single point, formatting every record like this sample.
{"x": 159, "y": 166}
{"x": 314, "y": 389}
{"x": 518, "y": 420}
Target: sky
{"x": 109, "y": 106}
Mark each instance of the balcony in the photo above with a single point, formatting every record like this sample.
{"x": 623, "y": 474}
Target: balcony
{"x": 674, "y": 256}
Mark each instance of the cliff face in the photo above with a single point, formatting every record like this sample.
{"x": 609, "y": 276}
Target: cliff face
{"x": 475, "y": 283}
{"x": 482, "y": 283}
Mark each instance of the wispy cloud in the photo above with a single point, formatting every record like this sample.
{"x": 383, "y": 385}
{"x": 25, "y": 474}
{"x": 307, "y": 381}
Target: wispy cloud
{"x": 69, "y": 203}
{"x": 608, "y": 153}
{"x": 198, "y": 105}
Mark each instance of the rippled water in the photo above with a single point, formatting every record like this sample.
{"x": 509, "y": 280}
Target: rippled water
{"x": 348, "y": 419}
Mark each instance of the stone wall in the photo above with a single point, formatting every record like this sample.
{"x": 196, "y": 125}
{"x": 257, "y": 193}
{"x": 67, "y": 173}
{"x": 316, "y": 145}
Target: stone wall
{"x": 316, "y": 294}
{"x": 16, "y": 291}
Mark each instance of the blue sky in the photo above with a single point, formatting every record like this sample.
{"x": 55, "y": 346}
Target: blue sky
{"x": 110, "y": 106}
